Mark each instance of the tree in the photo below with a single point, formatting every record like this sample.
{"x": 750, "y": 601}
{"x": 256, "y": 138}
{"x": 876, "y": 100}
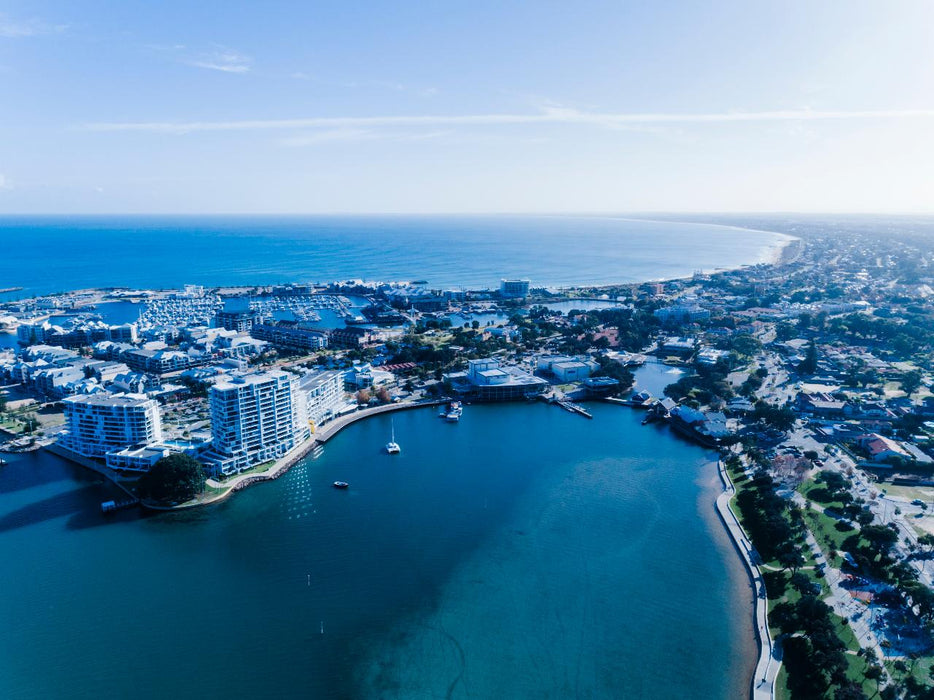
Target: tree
{"x": 926, "y": 541}
{"x": 2, "y": 402}
{"x": 809, "y": 364}
{"x": 778, "y": 417}
{"x": 874, "y": 673}
{"x": 745, "y": 345}
{"x": 849, "y": 691}
{"x": 791, "y": 559}
{"x": 881, "y": 537}
{"x": 801, "y": 583}
{"x": 614, "y": 370}
{"x": 173, "y": 479}
{"x": 363, "y": 397}
{"x": 911, "y": 382}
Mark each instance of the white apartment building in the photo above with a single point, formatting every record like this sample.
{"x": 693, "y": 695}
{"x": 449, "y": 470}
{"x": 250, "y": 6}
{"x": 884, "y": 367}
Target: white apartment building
{"x": 324, "y": 395}
{"x": 255, "y": 418}
{"x": 100, "y": 423}
{"x": 514, "y": 288}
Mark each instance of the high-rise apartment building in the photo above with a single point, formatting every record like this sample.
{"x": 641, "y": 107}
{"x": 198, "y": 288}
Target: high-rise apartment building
{"x": 255, "y": 418}
{"x": 100, "y": 423}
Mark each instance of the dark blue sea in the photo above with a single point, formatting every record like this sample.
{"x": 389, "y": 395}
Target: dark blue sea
{"x": 49, "y": 254}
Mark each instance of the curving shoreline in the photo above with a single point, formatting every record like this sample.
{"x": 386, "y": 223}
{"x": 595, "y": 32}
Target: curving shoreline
{"x": 762, "y": 683}
{"x": 293, "y": 457}
{"x": 769, "y": 662}
{"x": 741, "y": 246}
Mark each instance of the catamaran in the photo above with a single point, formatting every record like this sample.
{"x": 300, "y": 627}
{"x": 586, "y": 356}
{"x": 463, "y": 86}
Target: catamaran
{"x": 392, "y": 447}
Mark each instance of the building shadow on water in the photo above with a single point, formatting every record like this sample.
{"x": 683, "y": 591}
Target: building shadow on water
{"x": 57, "y": 506}
{"x": 91, "y": 516}
{"x": 81, "y": 506}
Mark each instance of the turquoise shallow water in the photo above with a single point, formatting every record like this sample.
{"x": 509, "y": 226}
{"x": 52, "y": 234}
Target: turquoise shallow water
{"x": 48, "y": 254}
{"x": 525, "y": 552}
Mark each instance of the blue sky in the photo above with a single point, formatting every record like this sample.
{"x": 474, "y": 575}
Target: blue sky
{"x": 466, "y": 106}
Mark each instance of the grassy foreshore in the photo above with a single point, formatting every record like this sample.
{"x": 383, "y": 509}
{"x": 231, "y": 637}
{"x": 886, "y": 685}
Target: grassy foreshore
{"x": 769, "y": 661}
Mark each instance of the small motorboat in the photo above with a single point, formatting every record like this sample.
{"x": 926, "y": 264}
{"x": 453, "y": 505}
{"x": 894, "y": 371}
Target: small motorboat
{"x": 341, "y": 484}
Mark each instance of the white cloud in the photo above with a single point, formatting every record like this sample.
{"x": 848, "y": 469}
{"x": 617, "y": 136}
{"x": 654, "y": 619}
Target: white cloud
{"x": 550, "y": 115}
{"x": 218, "y": 57}
{"x": 222, "y": 59}
{"x": 5, "y": 183}
{"x": 18, "y": 28}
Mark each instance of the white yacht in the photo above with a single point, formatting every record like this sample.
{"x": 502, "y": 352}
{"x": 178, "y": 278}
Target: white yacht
{"x": 454, "y": 412}
{"x": 392, "y": 447}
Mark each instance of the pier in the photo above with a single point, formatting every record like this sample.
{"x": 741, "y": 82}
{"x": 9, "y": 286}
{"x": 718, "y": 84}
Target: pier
{"x": 572, "y": 407}
{"x": 114, "y": 506}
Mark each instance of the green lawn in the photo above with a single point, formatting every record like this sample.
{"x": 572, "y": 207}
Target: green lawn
{"x": 811, "y": 488}
{"x": 825, "y": 531}
{"x": 781, "y": 685}
{"x": 920, "y": 670}
{"x": 258, "y": 469}
{"x": 830, "y": 533}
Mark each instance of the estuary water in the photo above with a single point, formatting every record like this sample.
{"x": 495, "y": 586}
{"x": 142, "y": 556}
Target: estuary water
{"x": 524, "y": 552}
{"x": 50, "y": 254}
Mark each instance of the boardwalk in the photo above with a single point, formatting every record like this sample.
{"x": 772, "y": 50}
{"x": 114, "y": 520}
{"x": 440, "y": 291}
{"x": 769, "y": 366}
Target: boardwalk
{"x": 335, "y": 426}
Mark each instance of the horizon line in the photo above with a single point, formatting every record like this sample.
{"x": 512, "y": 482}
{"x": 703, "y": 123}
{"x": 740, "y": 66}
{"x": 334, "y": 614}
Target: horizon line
{"x": 604, "y": 213}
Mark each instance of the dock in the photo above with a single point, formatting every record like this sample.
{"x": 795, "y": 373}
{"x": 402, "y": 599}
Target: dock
{"x": 573, "y": 408}
{"x": 114, "y": 506}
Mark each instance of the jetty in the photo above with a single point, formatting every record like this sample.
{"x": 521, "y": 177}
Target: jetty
{"x": 113, "y": 506}
{"x": 572, "y": 407}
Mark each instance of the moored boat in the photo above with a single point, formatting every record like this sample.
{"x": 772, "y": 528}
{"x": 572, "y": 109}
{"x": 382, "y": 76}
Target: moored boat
{"x": 392, "y": 447}
{"x": 454, "y": 412}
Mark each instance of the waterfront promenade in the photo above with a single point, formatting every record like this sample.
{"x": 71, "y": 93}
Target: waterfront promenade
{"x": 331, "y": 429}
{"x": 769, "y": 662}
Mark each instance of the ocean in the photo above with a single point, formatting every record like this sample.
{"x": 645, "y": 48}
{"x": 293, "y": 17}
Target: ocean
{"x": 50, "y": 254}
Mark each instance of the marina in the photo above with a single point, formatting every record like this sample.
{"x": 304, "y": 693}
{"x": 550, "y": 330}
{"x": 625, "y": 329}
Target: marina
{"x": 177, "y": 311}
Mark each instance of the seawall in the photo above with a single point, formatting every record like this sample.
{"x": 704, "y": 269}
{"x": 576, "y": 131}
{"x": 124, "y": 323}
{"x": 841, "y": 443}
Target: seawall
{"x": 769, "y": 662}
{"x": 290, "y": 459}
